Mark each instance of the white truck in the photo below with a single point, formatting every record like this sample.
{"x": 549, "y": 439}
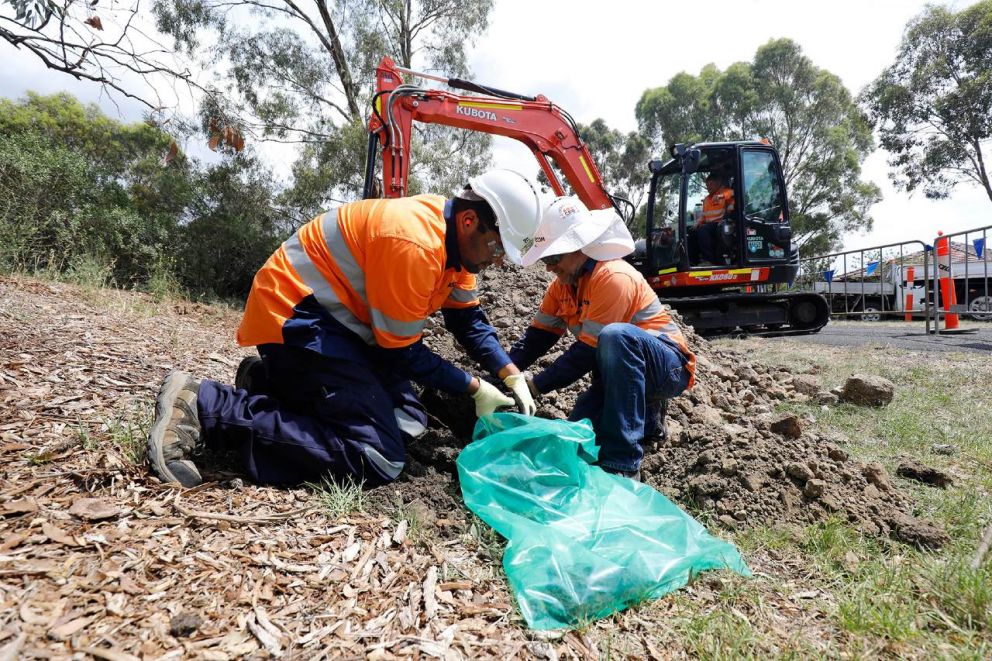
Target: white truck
{"x": 889, "y": 294}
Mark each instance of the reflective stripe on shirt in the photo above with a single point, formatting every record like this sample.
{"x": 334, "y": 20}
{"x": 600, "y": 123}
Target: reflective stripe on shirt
{"x": 463, "y": 295}
{"x": 322, "y": 289}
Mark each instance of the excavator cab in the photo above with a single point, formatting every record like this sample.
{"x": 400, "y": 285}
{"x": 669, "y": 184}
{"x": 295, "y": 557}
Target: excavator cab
{"x": 718, "y": 240}
{"x": 747, "y": 227}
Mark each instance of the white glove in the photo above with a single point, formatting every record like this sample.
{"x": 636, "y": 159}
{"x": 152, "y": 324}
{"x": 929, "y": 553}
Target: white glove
{"x": 517, "y": 383}
{"x": 488, "y": 398}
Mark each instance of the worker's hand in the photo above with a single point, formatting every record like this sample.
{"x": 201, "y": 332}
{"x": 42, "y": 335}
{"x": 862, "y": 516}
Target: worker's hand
{"x": 518, "y": 384}
{"x": 488, "y": 398}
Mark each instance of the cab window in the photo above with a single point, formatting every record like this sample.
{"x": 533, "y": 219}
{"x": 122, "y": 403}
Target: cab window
{"x": 763, "y": 199}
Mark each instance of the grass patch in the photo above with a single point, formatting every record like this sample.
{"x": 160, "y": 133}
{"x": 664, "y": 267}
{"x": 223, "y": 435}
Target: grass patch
{"x": 489, "y": 543}
{"x": 129, "y": 434}
{"x": 881, "y": 597}
{"x": 417, "y": 528}
{"x": 163, "y": 284}
{"x": 339, "y": 499}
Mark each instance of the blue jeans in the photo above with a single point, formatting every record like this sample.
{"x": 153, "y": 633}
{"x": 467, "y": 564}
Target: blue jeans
{"x": 632, "y": 366}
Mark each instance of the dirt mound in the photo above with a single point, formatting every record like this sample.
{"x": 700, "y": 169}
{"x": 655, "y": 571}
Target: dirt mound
{"x": 727, "y": 453}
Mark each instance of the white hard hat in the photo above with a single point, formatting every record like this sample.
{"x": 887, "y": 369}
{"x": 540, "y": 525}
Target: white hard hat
{"x": 517, "y": 201}
{"x": 567, "y": 225}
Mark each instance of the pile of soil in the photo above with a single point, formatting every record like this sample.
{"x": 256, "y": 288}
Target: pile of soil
{"x": 727, "y": 453}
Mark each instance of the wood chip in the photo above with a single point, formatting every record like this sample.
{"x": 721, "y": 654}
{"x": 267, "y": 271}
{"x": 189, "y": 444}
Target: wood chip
{"x": 269, "y": 642}
{"x": 400, "y": 535}
{"x": 430, "y": 597}
{"x": 14, "y": 540}
{"x": 351, "y": 552}
{"x": 21, "y": 506}
{"x": 12, "y": 650}
{"x": 456, "y": 585}
{"x": 94, "y": 509}
{"x": 109, "y": 654}
{"x": 58, "y": 535}
{"x": 66, "y": 630}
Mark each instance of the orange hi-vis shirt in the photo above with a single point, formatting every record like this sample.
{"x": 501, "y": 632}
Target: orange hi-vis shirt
{"x": 717, "y": 205}
{"x": 376, "y": 266}
{"x": 612, "y": 292}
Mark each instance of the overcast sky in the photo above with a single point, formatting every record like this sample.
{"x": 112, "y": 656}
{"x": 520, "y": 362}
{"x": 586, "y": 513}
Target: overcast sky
{"x": 596, "y": 58}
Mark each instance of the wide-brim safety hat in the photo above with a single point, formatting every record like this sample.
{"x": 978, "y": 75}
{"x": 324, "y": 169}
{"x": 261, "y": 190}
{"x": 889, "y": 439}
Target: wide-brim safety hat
{"x": 567, "y": 225}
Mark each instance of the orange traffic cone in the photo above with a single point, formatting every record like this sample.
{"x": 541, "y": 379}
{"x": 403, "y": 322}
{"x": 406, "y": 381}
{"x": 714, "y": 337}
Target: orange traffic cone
{"x": 947, "y": 293}
{"x": 910, "y": 281}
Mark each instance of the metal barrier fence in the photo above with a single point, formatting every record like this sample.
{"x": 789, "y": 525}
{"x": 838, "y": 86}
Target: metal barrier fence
{"x": 887, "y": 281}
{"x": 962, "y": 276}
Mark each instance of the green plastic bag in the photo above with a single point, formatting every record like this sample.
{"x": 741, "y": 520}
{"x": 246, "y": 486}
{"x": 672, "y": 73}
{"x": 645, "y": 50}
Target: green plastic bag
{"x": 581, "y": 543}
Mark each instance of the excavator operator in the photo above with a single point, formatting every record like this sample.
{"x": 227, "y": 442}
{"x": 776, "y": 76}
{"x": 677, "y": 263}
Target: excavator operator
{"x": 705, "y": 242}
{"x": 336, "y": 314}
{"x": 637, "y": 355}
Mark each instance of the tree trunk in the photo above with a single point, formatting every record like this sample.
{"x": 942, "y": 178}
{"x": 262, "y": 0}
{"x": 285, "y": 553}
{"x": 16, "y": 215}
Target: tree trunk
{"x": 340, "y": 63}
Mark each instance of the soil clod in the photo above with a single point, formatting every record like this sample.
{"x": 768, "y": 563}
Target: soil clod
{"x": 914, "y": 470}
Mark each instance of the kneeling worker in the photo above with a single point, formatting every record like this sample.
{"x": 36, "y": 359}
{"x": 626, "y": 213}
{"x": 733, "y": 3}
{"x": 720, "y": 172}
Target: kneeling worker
{"x": 636, "y": 353}
{"x": 337, "y": 314}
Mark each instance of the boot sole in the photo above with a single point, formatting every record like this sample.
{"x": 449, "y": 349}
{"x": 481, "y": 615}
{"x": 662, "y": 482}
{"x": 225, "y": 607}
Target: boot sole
{"x": 167, "y": 394}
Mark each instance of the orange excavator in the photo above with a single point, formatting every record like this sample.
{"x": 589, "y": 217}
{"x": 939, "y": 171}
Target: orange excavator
{"x": 719, "y": 286}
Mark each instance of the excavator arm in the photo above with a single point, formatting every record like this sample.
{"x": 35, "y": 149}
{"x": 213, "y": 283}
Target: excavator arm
{"x": 547, "y": 131}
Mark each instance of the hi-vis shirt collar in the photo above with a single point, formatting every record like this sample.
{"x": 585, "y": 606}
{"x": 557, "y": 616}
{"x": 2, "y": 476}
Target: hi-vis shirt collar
{"x": 453, "y": 259}
{"x": 587, "y": 268}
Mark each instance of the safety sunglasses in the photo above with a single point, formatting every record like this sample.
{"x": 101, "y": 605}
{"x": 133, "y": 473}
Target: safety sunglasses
{"x": 552, "y": 260}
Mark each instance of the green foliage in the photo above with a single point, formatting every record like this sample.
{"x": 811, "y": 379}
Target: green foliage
{"x": 932, "y": 105}
{"x": 233, "y": 229}
{"x": 805, "y": 111}
{"x": 622, "y": 160}
{"x": 33, "y": 12}
{"x": 89, "y": 199}
{"x": 305, "y": 74}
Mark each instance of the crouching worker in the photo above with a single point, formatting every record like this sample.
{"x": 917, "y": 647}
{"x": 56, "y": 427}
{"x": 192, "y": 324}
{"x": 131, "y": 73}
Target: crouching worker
{"x": 636, "y": 353}
{"x": 337, "y": 314}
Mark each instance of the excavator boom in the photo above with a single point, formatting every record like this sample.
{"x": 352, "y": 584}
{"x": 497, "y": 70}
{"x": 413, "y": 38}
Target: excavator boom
{"x": 547, "y": 131}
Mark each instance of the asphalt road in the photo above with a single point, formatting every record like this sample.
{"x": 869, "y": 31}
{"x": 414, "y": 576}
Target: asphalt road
{"x": 912, "y": 336}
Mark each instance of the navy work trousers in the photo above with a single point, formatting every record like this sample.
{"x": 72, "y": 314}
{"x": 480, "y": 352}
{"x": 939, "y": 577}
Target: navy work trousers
{"x": 705, "y": 244}
{"x": 632, "y": 367}
{"x": 317, "y": 417}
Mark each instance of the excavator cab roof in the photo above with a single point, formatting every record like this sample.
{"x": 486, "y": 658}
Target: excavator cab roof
{"x": 713, "y": 156}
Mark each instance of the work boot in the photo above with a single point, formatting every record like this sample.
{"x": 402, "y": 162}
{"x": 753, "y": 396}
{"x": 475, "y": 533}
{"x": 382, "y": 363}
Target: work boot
{"x": 175, "y": 434}
{"x": 250, "y": 374}
{"x": 633, "y": 475}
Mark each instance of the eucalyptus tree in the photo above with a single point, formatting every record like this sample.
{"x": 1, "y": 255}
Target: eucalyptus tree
{"x": 933, "y": 105}
{"x": 303, "y": 73}
{"x": 622, "y": 159}
{"x": 112, "y": 45}
{"x": 806, "y": 112}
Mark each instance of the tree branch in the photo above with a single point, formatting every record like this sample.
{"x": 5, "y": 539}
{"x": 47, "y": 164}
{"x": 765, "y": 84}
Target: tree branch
{"x": 340, "y": 62}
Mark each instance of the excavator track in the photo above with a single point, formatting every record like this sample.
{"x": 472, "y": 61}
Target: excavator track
{"x": 736, "y": 313}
